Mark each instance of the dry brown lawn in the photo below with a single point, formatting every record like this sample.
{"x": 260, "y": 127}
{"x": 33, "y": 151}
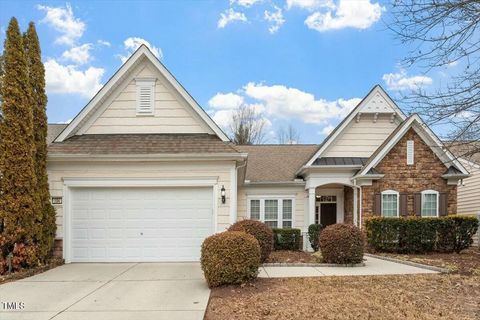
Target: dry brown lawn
{"x": 466, "y": 263}
{"x": 378, "y": 297}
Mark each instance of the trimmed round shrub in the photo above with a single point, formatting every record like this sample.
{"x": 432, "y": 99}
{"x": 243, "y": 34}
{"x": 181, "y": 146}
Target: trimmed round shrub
{"x": 260, "y": 231}
{"x": 230, "y": 257}
{"x": 342, "y": 244}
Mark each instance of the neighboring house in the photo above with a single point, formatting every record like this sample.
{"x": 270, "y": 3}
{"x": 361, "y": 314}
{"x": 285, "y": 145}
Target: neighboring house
{"x": 469, "y": 190}
{"x": 142, "y": 173}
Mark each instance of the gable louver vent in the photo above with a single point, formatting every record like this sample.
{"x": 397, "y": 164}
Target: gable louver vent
{"x": 410, "y": 152}
{"x": 145, "y": 96}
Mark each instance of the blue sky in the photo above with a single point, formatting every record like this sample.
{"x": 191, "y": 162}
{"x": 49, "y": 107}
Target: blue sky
{"x": 299, "y": 62}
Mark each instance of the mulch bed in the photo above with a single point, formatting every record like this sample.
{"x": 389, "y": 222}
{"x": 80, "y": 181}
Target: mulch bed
{"x": 381, "y": 297}
{"x": 286, "y": 256}
{"x": 465, "y": 263}
{"x": 30, "y": 272}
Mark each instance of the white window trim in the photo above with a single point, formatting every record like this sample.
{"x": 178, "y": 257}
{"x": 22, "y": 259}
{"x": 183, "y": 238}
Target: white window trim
{"x": 280, "y": 199}
{"x": 398, "y": 200}
{"x": 425, "y": 192}
{"x": 141, "y": 83}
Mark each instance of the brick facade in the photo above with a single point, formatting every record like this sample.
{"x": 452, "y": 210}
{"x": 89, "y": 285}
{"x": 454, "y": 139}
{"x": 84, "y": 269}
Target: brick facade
{"x": 348, "y": 205}
{"x": 425, "y": 173}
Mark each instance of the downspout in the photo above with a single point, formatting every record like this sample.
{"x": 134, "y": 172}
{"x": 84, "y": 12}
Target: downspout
{"x": 235, "y": 207}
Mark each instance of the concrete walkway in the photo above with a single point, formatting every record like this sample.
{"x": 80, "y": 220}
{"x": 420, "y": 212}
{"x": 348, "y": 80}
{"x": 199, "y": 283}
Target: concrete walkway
{"x": 114, "y": 291}
{"x": 373, "y": 266}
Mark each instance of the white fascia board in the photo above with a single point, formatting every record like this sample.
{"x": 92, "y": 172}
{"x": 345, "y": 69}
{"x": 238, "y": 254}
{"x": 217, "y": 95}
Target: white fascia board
{"x": 205, "y": 117}
{"x": 352, "y": 116}
{"x": 149, "y": 157}
{"x": 99, "y": 96}
{"x": 274, "y": 183}
{"x": 438, "y": 148}
{"x": 442, "y": 147}
{"x": 113, "y": 82}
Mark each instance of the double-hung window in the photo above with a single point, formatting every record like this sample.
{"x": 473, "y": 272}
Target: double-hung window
{"x": 429, "y": 203}
{"x": 276, "y": 212}
{"x": 390, "y": 203}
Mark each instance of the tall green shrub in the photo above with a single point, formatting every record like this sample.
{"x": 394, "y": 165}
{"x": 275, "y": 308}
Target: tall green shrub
{"x": 314, "y": 235}
{"x": 19, "y": 201}
{"x": 36, "y": 74}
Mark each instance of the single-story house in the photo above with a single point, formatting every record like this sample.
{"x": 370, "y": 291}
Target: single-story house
{"x": 142, "y": 173}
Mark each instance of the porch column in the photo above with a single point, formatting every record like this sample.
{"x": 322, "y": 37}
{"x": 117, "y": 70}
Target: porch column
{"x": 355, "y": 202}
{"x": 311, "y": 206}
{"x": 311, "y": 217}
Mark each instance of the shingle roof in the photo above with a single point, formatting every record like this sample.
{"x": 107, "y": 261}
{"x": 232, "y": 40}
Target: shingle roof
{"x": 275, "y": 163}
{"x": 469, "y": 150}
{"x": 54, "y": 130}
{"x": 340, "y": 161}
{"x": 104, "y": 144}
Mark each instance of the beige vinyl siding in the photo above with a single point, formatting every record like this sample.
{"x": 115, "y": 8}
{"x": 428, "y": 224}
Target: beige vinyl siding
{"x": 171, "y": 113}
{"x": 299, "y": 194}
{"x": 468, "y": 201}
{"x": 361, "y": 139}
{"x": 221, "y": 170}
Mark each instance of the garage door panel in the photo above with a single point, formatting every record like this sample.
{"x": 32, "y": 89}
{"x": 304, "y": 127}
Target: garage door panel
{"x": 140, "y": 224}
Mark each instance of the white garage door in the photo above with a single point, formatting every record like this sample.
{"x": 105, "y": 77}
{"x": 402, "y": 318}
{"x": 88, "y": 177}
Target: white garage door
{"x": 139, "y": 224}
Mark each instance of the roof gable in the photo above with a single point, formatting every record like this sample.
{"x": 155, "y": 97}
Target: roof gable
{"x": 377, "y": 101}
{"x": 425, "y": 133}
{"x": 96, "y": 116}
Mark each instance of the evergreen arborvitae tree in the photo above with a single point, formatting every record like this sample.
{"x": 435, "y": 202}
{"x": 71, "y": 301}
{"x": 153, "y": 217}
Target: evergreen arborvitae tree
{"x": 36, "y": 74}
{"x": 19, "y": 200}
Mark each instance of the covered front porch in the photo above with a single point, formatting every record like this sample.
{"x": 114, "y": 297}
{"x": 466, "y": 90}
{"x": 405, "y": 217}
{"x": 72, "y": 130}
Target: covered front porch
{"x": 333, "y": 203}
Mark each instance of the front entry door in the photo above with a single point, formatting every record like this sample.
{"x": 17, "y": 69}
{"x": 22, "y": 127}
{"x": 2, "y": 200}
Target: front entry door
{"x": 328, "y": 214}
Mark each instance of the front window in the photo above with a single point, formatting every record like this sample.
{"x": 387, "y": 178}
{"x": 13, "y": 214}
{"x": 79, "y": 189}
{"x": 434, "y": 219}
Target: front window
{"x": 287, "y": 214}
{"x": 271, "y": 213}
{"x": 429, "y": 203}
{"x": 255, "y": 209}
{"x": 390, "y": 203}
{"x": 274, "y": 212}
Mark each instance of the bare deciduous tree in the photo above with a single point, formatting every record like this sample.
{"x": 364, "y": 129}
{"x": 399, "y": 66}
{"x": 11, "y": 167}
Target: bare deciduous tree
{"x": 288, "y": 135}
{"x": 247, "y": 126}
{"x": 444, "y": 33}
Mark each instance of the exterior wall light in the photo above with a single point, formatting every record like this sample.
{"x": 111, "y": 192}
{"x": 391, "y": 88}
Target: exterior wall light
{"x": 222, "y": 193}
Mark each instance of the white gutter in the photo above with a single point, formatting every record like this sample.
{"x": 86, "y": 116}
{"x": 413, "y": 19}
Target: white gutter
{"x": 275, "y": 183}
{"x": 148, "y": 157}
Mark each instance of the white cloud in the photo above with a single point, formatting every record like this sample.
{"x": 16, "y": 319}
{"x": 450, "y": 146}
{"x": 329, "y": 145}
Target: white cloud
{"x": 284, "y": 102}
{"x": 80, "y": 54}
{"x": 63, "y": 20}
{"x": 131, "y": 44}
{"x": 244, "y": 3}
{"x": 225, "y": 101}
{"x": 401, "y": 81}
{"x": 104, "y": 43}
{"x": 326, "y": 130}
{"x": 275, "y": 18}
{"x": 68, "y": 79}
{"x": 359, "y": 14}
{"x": 229, "y": 16}
{"x": 310, "y": 4}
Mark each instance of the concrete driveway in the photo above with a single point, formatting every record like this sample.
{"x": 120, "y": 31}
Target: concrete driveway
{"x": 109, "y": 291}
